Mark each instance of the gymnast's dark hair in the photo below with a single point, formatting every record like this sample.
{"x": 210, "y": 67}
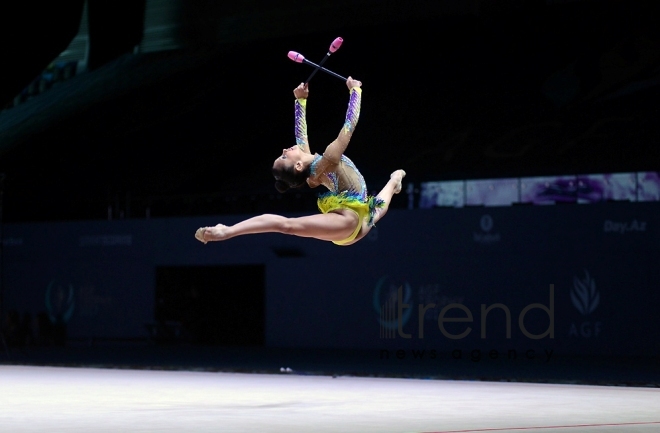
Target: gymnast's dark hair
{"x": 286, "y": 178}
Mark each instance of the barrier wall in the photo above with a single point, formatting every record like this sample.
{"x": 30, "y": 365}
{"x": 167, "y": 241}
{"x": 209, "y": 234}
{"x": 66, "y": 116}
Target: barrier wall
{"x": 571, "y": 279}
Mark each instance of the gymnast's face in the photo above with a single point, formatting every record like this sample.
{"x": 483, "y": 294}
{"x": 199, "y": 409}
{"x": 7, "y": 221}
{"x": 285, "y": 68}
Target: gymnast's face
{"x": 290, "y": 157}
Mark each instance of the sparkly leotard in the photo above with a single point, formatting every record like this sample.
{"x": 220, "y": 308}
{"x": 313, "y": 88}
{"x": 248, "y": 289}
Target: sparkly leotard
{"x": 347, "y": 188}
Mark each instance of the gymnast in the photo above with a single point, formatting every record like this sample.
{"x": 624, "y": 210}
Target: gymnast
{"x": 348, "y": 213}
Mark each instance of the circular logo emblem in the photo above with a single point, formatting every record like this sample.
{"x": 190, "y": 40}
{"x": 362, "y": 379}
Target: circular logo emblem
{"x": 486, "y": 223}
{"x": 60, "y": 301}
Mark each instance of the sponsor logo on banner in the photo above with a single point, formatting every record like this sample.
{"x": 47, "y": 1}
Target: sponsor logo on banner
{"x": 389, "y": 299}
{"x": 60, "y": 301}
{"x": 486, "y": 235}
{"x": 584, "y": 295}
{"x": 392, "y": 302}
{"x": 91, "y": 301}
{"x": 633, "y": 226}
{"x": 585, "y": 298}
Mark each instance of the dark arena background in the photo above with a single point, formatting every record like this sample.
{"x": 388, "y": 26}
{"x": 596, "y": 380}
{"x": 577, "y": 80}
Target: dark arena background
{"x": 512, "y": 286}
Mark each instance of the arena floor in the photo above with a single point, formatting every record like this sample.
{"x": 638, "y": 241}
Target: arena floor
{"x": 58, "y": 399}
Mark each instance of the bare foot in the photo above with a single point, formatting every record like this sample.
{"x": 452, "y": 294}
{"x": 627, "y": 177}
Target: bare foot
{"x": 216, "y": 233}
{"x": 199, "y": 234}
{"x": 398, "y": 176}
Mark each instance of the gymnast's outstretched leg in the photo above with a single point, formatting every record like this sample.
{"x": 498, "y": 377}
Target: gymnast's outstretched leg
{"x": 333, "y": 226}
{"x": 392, "y": 187}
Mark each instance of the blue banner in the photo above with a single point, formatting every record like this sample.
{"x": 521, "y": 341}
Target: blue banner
{"x": 569, "y": 279}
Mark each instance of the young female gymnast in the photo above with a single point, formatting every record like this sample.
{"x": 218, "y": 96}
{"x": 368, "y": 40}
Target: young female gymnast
{"x": 348, "y": 213}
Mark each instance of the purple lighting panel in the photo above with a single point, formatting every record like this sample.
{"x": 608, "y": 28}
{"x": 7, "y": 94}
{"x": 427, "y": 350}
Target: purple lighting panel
{"x": 648, "y": 186}
{"x": 593, "y": 188}
{"x": 492, "y": 192}
{"x": 442, "y": 194}
{"x": 548, "y": 190}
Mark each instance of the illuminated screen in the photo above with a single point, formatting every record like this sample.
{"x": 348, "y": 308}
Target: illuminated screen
{"x": 492, "y": 192}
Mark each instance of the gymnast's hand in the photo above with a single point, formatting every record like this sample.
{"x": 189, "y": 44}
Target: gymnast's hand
{"x": 302, "y": 91}
{"x": 350, "y": 83}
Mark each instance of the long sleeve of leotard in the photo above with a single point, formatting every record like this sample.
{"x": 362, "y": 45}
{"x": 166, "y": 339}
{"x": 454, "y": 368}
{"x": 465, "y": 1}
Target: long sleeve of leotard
{"x": 353, "y": 111}
{"x": 336, "y": 149}
{"x": 301, "y": 124}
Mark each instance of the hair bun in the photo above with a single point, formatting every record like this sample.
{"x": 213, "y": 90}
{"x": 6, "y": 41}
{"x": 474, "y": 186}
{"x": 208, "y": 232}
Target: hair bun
{"x": 281, "y": 186}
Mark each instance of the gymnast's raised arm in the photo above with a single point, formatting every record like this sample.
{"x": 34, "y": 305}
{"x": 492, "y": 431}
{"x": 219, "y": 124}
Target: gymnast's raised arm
{"x": 336, "y": 149}
{"x": 301, "y": 93}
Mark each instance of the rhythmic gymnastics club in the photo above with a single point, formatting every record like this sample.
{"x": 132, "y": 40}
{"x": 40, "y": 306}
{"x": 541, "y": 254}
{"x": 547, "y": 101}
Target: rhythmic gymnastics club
{"x": 299, "y": 58}
{"x": 334, "y": 46}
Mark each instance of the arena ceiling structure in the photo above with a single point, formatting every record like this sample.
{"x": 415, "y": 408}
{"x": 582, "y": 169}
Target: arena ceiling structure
{"x": 131, "y": 108}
